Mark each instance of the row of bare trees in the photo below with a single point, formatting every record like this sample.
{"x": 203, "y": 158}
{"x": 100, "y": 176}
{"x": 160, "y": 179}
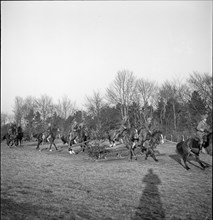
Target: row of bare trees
{"x": 170, "y": 104}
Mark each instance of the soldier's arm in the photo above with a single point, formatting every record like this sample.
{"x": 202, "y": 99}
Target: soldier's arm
{"x": 200, "y": 127}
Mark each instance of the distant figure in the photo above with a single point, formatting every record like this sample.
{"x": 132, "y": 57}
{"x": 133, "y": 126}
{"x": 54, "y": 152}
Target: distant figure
{"x": 49, "y": 132}
{"x": 147, "y": 130}
{"x": 12, "y": 129}
{"x": 202, "y": 129}
{"x": 73, "y": 132}
{"x": 19, "y": 129}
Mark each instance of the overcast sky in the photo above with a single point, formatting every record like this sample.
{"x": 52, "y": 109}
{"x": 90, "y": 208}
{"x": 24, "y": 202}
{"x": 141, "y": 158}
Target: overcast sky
{"x": 74, "y": 48}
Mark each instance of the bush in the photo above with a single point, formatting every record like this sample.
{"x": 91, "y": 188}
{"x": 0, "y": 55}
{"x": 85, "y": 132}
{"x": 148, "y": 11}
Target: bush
{"x": 96, "y": 150}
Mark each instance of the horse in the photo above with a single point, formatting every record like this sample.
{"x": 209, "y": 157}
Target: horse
{"x": 49, "y": 137}
{"x": 191, "y": 146}
{"x": 81, "y": 136}
{"x": 9, "y": 139}
{"x": 207, "y": 145}
{"x": 156, "y": 138}
{"x": 144, "y": 136}
{"x": 116, "y": 135}
{"x": 134, "y": 140}
{"x": 18, "y": 138}
{"x": 13, "y": 138}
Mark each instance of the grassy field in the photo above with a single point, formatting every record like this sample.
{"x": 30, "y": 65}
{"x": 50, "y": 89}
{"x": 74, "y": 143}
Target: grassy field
{"x": 57, "y": 185}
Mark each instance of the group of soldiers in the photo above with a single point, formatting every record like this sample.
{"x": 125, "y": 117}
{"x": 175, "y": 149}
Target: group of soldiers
{"x": 201, "y": 128}
{"x": 14, "y": 129}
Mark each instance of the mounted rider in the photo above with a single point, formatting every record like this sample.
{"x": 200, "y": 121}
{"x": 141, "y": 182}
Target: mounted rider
{"x": 147, "y": 129}
{"x": 74, "y": 131}
{"x": 124, "y": 126}
{"x": 73, "y": 134}
{"x": 19, "y": 129}
{"x": 49, "y": 131}
{"x": 202, "y": 129}
{"x": 134, "y": 137}
{"x": 12, "y": 129}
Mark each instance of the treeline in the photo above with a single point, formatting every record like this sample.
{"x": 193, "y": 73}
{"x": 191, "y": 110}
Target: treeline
{"x": 175, "y": 107}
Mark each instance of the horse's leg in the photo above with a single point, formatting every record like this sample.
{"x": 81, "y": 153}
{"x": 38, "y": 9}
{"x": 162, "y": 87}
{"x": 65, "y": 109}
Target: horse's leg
{"x": 8, "y": 142}
{"x": 199, "y": 161}
{"x": 70, "y": 150}
{"x": 132, "y": 153}
{"x": 53, "y": 139}
{"x": 83, "y": 147}
{"x": 185, "y": 160}
{"x": 15, "y": 142}
{"x": 153, "y": 155}
{"x": 50, "y": 148}
{"x": 39, "y": 142}
{"x": 148, "y": 152}
{"x": 111, "y": 143}
{"x": 55, "y": 146}
{"x": 133, "y": 150}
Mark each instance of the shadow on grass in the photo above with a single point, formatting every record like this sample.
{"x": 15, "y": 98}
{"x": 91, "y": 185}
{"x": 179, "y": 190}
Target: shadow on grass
{"x": 150, "y": 205}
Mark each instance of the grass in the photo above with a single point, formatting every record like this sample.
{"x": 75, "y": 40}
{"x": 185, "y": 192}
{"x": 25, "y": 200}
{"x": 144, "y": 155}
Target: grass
{"x": 57, "y": 185}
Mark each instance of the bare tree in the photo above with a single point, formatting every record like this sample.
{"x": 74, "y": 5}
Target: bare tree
{"x": 94, "y": 105}
{"x": 147, "y": 92}
{"x": 65, "y": 107}
{"x": 18, "y": 109}
{"x": 4, "y": 118}
{"x": 45, "y": 106}
{"x": 202, "y": 83}
{"x": 168, "y": 91}
{"x": 122, "y": 91}
{"x": 28, "y": 105}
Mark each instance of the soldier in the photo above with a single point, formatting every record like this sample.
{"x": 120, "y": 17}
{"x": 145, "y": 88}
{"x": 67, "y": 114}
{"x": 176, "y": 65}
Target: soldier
{"x": 146, "y": 131}
{"x": 73, "y": 135}
{"x": 49, "y": 131}
{"x": 125, "y": 122}
{"x": 19, "y": 129}
{"x": 148, "y": 127}
{"x": 74, "y": 129}
{"x": 10, "y": 129}
{"x": 134, "y": 137}
{"x": 202, "y": 128}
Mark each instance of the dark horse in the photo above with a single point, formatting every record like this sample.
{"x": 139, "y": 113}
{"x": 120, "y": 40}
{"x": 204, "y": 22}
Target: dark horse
{"x": 51, "y": 138}
{"x": 18, "y": 138}
{"x": 9, "y": 139}
{"x": 192, "y": 147}
{"x": 13, "y": 139}
{"x": 133, "y": 140}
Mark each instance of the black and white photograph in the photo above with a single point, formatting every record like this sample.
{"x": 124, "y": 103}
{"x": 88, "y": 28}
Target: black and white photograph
{"x": 106, "y": 110}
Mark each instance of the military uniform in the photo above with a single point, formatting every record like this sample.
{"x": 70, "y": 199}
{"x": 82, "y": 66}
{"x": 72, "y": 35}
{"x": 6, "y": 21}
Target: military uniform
{"x": 49, "y": 132}
{"x": 73, "y": 132}
{"x": 201, "y": 129}
{"x": 147, "y": 129}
